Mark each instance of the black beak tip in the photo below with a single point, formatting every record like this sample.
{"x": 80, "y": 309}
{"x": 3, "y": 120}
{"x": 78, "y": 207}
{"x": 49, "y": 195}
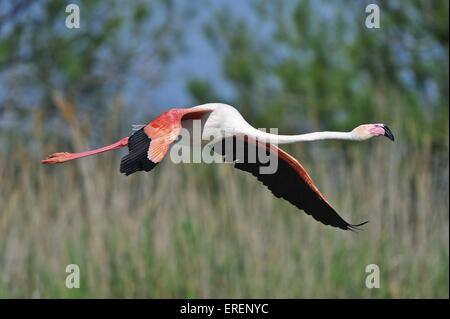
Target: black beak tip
{"x": 388, "y": 133}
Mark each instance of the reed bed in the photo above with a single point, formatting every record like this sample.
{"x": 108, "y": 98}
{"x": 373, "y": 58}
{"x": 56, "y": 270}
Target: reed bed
{"x": 198, "y": 230}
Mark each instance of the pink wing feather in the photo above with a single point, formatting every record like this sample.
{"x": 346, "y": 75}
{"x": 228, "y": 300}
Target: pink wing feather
{"x": 164, "y": 130}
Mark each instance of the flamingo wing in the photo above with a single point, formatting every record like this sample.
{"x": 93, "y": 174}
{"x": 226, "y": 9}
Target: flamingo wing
{"x": 137, "y": 160}
{"x": 290, "y": 181}
{"x": 164, "y": 130}
{"x": 149, "y": 144}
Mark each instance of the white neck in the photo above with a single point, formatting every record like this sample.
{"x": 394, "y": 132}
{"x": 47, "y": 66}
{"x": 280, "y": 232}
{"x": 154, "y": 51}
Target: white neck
{"x": 316, "y": 136}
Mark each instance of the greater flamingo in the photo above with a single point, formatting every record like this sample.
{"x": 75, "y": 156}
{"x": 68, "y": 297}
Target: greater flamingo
{"x": 148, "y": 146}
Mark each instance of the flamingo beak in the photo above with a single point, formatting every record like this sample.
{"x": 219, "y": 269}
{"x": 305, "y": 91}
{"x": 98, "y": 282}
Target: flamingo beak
{"x": 388, "y": 133}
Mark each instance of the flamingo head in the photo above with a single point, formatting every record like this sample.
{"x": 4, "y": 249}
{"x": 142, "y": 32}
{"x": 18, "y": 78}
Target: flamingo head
{"x": 367, "y": 131}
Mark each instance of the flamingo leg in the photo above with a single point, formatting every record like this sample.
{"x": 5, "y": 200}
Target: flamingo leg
{"x": 61, "y": 157}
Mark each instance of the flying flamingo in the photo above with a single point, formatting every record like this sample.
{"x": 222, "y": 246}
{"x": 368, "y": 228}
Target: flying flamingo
{"x": 148, "y": 146}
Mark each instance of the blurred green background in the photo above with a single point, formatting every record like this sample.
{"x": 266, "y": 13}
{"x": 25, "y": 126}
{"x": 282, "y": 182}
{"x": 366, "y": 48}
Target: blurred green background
{"x": 198, "y": 230}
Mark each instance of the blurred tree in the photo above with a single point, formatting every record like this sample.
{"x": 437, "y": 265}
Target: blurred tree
{"x": 117, "y": 46}
{"x": 315, "y": 62}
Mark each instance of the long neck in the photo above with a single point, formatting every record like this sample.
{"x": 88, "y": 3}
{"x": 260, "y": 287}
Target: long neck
{"x": 316, "y": 136}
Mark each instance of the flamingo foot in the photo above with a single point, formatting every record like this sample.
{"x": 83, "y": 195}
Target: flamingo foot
{"x": 58, "y": 158}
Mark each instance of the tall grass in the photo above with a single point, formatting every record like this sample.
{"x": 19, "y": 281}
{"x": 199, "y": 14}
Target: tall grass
{"x": 197, "y": 230}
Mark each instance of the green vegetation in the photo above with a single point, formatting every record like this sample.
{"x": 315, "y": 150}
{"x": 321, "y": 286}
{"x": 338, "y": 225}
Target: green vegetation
{"x": 197, "y": 230}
